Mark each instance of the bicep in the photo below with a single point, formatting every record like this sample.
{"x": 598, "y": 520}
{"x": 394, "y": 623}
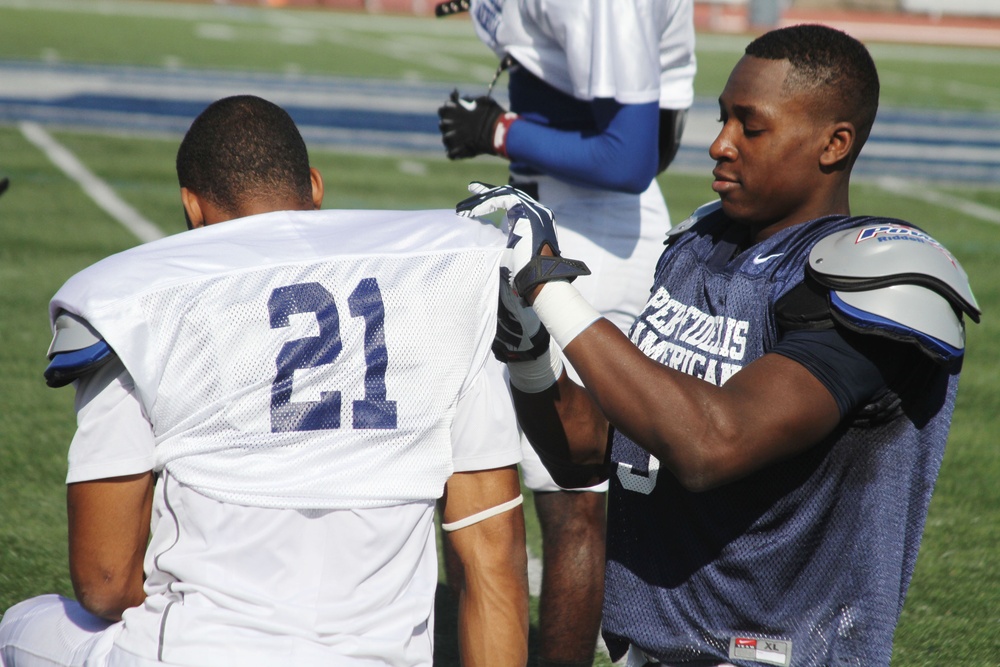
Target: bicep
{"x": 484, "y": 432}
{"x": 776, "y": 408}
{"x": 842, "y": 362}
{"x": 113, "y": 435}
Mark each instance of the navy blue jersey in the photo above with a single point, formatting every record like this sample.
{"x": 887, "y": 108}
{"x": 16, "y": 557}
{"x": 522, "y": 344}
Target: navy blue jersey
{"x": 807, "y": 561}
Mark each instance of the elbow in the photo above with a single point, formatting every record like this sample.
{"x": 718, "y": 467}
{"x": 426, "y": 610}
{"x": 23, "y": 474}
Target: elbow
{"x": 573, "y": 475}
{"x": 630, "y": 181}
{"x": 698, "y": 482}
{"x": 707, "y": 466}
{"x": 105, "y": 597}
{"x": 579, "y": 477}
{"x": 107, "y": 606}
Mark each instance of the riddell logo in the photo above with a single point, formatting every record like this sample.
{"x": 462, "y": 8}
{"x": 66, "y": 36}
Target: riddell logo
{"x": 894, "y": 230}
{"x": 742, "y": 642}
{"x": 900, "y": 233}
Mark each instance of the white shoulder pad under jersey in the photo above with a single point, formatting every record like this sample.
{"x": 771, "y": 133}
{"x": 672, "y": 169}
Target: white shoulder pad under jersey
{"x": 635, "y": 52}
{"x": 893, "y": 279}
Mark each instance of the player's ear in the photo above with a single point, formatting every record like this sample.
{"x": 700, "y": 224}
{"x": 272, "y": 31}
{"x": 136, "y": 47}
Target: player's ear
{"x": 840, "y": 139}
{"x": 192, "y": 209}
{"x": 317, "y": 187}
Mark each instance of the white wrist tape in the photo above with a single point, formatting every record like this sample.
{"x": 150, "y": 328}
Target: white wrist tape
{"x": 482, "y": 516}
{"x": 536, "y": 375}
{"x": 563, "y": 311}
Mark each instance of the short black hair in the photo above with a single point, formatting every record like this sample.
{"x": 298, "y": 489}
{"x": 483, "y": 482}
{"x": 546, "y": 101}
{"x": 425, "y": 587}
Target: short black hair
{"x": 822, "y": 57}
{"x": 242, "y": 149}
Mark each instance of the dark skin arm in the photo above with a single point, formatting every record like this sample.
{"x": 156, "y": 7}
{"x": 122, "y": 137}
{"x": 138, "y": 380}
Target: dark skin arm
{"x": 492, "y": 568}
{"x": 108, "y": 533}
{"x": 705, "y": 435}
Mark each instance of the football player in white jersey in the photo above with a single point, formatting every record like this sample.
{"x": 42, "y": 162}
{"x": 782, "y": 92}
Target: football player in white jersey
{"x": 268, "y": 410}
{"x": 598, "y": 98}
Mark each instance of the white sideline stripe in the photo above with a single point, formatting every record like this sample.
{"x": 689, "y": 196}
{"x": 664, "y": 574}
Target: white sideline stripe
{"x": 93, "y": 187}
{"x": 917, "y": 191}
{"x": 534, "y": 574}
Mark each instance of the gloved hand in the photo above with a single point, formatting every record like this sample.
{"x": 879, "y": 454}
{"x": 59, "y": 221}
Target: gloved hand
{"x": 471, "y": 127}
{"x": 530, "y": 227}
{"x": 520, "y": 335}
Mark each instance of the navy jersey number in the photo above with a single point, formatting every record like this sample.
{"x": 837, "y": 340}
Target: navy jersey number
{"x": 373, "y": 411}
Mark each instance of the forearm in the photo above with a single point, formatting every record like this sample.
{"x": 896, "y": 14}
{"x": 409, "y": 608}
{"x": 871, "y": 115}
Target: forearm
{"x": 568, "y": 431}
{"x": 493, "y": 596}
{"x": 108, "y": 535}
{"x": 493, "y": 617}
{"x": 668, "y": 413}
{"x": 490, "y": 565}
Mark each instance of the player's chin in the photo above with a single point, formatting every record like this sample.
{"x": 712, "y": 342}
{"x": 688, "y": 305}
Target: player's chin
{"x": 732, "y": 206}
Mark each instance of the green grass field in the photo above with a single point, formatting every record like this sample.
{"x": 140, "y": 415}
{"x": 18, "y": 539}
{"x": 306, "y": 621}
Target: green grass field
{"x": 49, "y": 230}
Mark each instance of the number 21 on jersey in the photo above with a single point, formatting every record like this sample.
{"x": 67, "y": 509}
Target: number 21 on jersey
{"x": 373, "y": 411}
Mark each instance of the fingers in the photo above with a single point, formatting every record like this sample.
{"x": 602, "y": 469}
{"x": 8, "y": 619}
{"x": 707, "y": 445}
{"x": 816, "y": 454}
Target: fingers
{"x": 478, "y": 187}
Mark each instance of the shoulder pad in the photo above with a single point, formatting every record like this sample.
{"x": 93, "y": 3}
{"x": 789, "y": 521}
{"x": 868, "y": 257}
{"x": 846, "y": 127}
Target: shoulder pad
{"x": 699, "y": 214}
{"x": 76, "y": 350}
{"x": 893, "y": 279}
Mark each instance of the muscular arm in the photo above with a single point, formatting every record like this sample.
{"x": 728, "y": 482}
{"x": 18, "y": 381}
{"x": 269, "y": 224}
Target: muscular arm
{"x": 493, "y": 600}
{"x": 571, "y": 429}
{"x": 704, "y": 434}
{"x": 108, "y": 533}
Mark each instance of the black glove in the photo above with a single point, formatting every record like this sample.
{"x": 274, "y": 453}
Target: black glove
{"x": 468, "y": 126}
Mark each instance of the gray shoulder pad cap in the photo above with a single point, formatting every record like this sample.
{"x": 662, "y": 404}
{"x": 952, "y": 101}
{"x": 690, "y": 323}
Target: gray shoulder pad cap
{"x": 895, "y": 279}
{"x": 76, "y": 350}
{"x": 70, "y": 333}
{"x": 700, "y": 213}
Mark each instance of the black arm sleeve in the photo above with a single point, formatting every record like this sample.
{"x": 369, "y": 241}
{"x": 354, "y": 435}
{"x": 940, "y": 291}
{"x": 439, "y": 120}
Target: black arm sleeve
{"x": 854, "y": 367}
{"x": 843, "y": 366}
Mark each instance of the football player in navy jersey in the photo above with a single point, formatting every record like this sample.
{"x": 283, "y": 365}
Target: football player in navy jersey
{"x": 774, "y": 422}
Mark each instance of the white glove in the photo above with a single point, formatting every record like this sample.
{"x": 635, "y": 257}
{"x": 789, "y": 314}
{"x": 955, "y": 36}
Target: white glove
{"x": 520, "y": 335}
{"x": 530, "y": 227}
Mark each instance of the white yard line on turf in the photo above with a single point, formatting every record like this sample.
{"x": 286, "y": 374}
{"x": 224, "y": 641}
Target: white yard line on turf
{"x": 94, "y": 187}
{"x": 909, "y": 189}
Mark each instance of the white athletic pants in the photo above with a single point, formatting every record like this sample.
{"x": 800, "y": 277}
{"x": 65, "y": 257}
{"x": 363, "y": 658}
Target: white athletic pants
{"x": 50, "y": 631}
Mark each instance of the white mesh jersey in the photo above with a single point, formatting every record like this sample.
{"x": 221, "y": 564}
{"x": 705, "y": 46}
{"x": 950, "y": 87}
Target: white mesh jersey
{"x": 287, "y": 360}
{"x": 636, "y": 52}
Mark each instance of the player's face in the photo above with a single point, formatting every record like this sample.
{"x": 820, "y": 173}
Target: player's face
{"x": 767, "y": 153}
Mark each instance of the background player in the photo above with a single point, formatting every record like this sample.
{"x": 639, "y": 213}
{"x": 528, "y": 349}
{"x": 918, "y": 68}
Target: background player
{"x": 272, "y": 395}
{"x": 598, "y": 101}
{"x": 781, "y": 410}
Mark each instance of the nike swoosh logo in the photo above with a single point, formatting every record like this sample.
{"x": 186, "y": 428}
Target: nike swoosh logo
{"x": 760, "y": 260}
{"x": 468, "y": 105}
